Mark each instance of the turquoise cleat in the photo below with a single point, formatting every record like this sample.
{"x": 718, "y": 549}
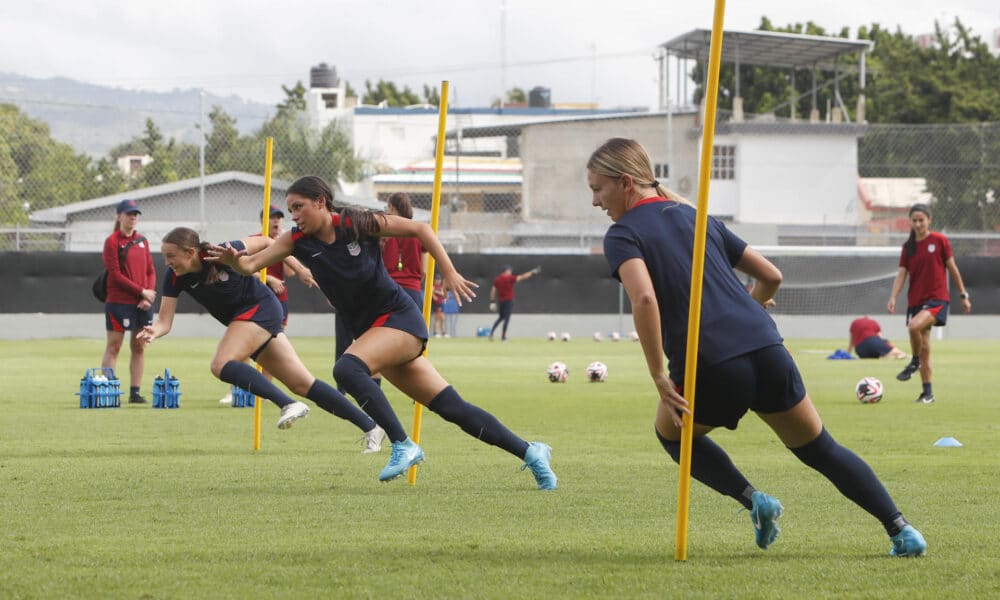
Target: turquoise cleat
{"x": 764, "y": 515}
{"x": 405, "y": 454}
{"x": 537, "y": 458}
{"x": 908, "y": 542}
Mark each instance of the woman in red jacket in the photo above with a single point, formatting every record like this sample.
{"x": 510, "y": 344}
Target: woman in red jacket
{"x": 131, "y": 293}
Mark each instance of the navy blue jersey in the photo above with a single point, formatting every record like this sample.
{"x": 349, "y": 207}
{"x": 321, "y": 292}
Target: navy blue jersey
{"x": 661, "y": 233}
{"x": 227, "y": 297}
{"x": 353, "y": 278}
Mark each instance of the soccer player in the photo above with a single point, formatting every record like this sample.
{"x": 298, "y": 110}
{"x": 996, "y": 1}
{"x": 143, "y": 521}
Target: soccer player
{"x": 502, "y": 296}
{"x": 925, "y": 257}
{"x": 252, "y": 316}
{"x": 866, "y": 339}
{"x": 389, "y": 333}
{"x": 131, "y": 293}
{"x": 742, "y": 363}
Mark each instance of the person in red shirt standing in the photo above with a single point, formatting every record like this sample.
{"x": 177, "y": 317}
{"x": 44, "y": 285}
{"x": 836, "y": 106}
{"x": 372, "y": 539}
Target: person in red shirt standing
{"x": 131, "y": 293}
{"x": 404, "y": 257}
{"x": 925, "y": 258}
{"x": 502, "y": 296}
{"x": 867, "y": 341}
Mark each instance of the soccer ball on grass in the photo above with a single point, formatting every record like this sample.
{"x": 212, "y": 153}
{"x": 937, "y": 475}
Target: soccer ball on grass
{"x": 869, "y": 390}
{"x": 558, "y": 372}
{"x": 597, "y": 372}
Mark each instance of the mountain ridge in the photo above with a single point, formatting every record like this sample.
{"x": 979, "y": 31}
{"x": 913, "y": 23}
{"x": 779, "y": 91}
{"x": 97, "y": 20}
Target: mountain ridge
{"x": 94, "y": 118}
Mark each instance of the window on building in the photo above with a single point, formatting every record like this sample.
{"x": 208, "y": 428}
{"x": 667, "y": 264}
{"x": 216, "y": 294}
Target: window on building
{"x": 661, "y": 170}
{"x": 723, "y": 162}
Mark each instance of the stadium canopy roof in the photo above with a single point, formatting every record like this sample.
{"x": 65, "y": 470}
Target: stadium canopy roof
{"x": 767, "y": 48}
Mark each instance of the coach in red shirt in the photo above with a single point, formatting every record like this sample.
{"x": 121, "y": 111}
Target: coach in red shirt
{"x": 502, "y": 296}
{"x": 867, "y": 341}
{"x": 131, "y": 293}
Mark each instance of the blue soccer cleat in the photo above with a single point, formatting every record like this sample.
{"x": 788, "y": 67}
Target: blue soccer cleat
{"x": 908, "y": 542}
{"x": 537, "y": 458}
{"x": 764, "y": 515}
{"x": 405, "y": 454}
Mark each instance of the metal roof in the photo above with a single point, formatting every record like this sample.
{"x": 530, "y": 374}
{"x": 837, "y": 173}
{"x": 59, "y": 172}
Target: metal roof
{"x": 767, "y": 48}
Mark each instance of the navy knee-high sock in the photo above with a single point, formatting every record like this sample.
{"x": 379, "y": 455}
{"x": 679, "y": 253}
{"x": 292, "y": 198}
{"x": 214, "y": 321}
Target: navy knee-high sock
{"x": 853, "y": 477}
{"x": 243, "y": 375}
{"x": 336, "y": 404}
{"x": 353, "y": 375}
{"x": 712, "y": 466}
{"x": 476, "y": 422}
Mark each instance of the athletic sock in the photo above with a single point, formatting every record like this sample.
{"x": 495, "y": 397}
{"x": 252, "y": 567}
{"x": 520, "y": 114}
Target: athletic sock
{"x": 133, "y": 390}
{"x": 242, "y": 375}
{"x": 927, "y": 389}
{"x": 352, "y": 374}
{"x": 336, "y": 404}
{"x": 852, "y": 476}
{"x": 476, "y": 422}
{"x": 712, "y": 466}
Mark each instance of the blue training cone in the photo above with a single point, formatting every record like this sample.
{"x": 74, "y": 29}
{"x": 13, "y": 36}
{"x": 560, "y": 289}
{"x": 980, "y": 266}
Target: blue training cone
{"x": 948, "y": 442}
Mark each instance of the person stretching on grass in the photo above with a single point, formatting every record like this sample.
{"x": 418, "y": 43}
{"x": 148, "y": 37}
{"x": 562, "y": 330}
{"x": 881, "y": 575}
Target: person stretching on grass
{"x": 742, "y": 363}
{"x": 252, "y": 316}
{"x": 389, "y": 333}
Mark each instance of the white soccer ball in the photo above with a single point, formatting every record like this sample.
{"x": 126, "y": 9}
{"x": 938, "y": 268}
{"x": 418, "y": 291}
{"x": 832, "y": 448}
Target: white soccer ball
{"x": 597, "y": 372}
{"x": 597, "y": 336}
{"x": 558, "y": 372}
{"x": 615, "y": 336}
{"x": 552, "y": 336}
{"x": 869, "y": 390}
{"x": 565, "y": 336}
{"x": 634, "y": 336}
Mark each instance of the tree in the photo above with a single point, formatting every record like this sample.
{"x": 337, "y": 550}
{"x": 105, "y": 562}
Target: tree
{"x": 386, "y": 91}
{"x": 295, "y": 99}
{"x": 431, "y": 95}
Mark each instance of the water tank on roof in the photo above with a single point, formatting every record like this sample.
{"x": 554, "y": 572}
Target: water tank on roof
{"x": 540, "y": 97}
{"x": 323, "y": 76}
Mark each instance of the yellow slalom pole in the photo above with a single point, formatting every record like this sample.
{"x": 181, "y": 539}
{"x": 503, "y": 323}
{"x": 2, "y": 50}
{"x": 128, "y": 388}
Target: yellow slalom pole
{"x": 697, "y": 273}
{"x": 265, "y": 224}
{"x": 411, "y": 474}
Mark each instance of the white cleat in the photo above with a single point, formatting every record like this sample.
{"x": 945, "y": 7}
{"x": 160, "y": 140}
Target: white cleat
{"x": 373, "y": 440}
{"x": 290, "y": 413}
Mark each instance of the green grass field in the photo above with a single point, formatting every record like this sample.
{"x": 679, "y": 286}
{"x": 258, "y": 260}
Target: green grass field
{"x": 143, "y": 503}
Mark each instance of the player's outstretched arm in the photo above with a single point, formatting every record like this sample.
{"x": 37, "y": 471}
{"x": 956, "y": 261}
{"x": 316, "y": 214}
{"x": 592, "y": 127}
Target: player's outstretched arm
{"x": 164, "y": 321}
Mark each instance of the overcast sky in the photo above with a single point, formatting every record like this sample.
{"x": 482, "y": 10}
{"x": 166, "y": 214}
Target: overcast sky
{"x": 584, "y": 51}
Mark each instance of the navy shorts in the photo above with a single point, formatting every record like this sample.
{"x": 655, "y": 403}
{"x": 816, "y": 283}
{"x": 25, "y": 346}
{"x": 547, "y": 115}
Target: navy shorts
{"x": 764, "y": 381}
{"x": 873, "y": 347}
{"x": 126, "y": 317}
{"x": 938, "y": 308}
{"x": 417, "y": 296}
{"x": 284, "y": 312}
{"x": 406, "y": 318}
{"x": 267, "y": 313}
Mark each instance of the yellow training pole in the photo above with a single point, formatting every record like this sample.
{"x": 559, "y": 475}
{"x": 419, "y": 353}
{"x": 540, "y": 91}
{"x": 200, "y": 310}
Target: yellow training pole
{"x": 697, "y": 272}
{"x": 411, "y": 474}
{"x": 265, "y": 224}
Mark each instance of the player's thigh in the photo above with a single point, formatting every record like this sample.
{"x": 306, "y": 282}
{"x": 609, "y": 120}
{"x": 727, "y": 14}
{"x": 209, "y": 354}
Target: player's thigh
{"x": 280, "y": 360}
{"x": 796, "y": 426}
{"x": 239, "y": 342}
{"x": 417, "y": 378}
{"x": 384, "y": 347}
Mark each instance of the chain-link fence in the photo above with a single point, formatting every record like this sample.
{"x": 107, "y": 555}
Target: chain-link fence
{"x": 513, "y": 180}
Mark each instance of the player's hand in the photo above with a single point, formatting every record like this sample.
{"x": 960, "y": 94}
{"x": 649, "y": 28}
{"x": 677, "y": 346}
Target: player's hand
{"x": 146, "y": 335}
{"x": 276, "y": 285}
{"x": 462, "y": 287}
{"x": 769, "y": 304}
{"x": 493, "y": 306}
{"x": 669, "y": 396}
{"x": 891, "y": 305}
{"x": 536, "y": 270}
{"x": 144, "y": 305}
{"x": 224, "y": 254}
{"x": 306, "y": 277}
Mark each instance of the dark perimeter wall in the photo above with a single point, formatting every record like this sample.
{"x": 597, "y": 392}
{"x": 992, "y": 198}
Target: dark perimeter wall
{"x": 568, "y": 284}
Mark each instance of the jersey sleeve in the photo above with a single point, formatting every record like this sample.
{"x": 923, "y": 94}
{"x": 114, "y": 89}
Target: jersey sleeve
{"x": 733, "y": 244}
{"x": 946, "y": 251}
{"x": 169, "y": 287}
{"x": 620, "y": 244}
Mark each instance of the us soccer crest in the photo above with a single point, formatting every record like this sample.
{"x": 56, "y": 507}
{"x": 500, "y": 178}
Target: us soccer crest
{"x": 354, "y": 248}
{"x": 930, "y": 248}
